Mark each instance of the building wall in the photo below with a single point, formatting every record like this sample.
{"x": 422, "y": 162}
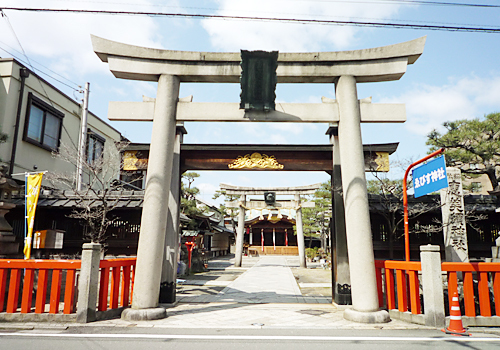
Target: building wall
{"x": 29, "y": 155}
{"x": 220, "y": 241}
{"x": 483, "y": 184}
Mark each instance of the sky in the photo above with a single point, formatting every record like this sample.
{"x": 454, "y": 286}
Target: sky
{"x": 457, "y": 76}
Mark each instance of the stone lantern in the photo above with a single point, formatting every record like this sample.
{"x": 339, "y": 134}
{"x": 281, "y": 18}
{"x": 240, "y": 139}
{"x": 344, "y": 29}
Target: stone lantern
{"x": 8, "y": 244}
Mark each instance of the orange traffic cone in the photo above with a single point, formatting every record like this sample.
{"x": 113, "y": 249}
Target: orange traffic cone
{"x": 455, "y": 327}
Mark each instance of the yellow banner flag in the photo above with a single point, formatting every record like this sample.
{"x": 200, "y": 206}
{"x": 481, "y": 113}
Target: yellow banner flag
{"x": 33, "y": 185}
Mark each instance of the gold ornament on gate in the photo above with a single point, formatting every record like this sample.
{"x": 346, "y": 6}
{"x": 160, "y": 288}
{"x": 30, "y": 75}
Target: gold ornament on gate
{"x": 382, "y": 161}
{"x": 130, "y": 160}
{"x": 256, "y": 161}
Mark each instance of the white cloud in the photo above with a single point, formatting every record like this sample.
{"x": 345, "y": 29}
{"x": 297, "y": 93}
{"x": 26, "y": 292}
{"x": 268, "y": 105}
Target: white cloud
{"x": 428, "y": 106}
{"x": 278, "y": 139}
{"x": 206, "y": 188}
{"x": 233, "y": 35}
{"x": 241, "y": 179}
{"x": 252, "y": 131}
{"x": 207, "y": 191}
{"x": 142, "y": 88}
{"x": 64, "y": 38}
{"x": 292, "y": 129}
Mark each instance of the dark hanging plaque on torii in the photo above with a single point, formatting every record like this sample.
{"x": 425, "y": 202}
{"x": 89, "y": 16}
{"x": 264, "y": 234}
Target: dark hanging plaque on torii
{"x": 258, "y": 80}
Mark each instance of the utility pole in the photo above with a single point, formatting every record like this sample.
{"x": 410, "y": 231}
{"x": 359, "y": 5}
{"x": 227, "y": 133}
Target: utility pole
{"x": 83, "y": 138}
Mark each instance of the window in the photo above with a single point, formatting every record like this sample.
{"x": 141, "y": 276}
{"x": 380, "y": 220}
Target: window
{"x": 95, "y": 146}
{"x": 43, "y": 124}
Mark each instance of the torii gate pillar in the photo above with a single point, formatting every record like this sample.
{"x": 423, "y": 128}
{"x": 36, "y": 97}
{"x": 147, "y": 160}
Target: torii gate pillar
{"x": 150, "y": 251}
{"x": 341, "y": 282}
{"x": 169, "y": 269}
{"x": 300, "y": 234}
{"x": 365, "y": 307}
{"x": 240, "y": 232}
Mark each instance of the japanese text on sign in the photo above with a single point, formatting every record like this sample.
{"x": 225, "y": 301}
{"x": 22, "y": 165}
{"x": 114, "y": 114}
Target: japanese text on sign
{"x": 433, "y": 176}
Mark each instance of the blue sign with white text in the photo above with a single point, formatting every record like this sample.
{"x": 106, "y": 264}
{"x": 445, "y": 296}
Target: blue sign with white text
{"x": 430, "y": 177}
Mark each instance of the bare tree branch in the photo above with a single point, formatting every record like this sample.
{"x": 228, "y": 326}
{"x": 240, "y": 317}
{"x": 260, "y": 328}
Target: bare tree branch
{"x": 102, "y": 188}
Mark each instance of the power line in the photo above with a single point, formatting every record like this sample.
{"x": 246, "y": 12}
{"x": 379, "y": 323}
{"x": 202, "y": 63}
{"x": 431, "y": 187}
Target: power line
{"x": 274, "y": 19}
{"x": 380, "y": 2}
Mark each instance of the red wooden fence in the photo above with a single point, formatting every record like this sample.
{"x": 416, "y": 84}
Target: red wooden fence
{"x": 406, "y": 284}
{"x": 119, "y": 291}
{"x": 22, "y": 274}
{"x": 481, "y": 273}
{"x": 45, "y": 268}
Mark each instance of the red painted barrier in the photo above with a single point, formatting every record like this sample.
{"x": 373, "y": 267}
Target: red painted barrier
{"x": 116, "y": 283}
{"x": 30, "y": 278}
{"x": 483, "y": 274}
{"x": 406, "y": 284}
{"x": 34, "y": 280}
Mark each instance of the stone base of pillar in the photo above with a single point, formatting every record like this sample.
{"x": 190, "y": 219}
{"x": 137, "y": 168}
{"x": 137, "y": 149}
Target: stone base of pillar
{"x": 380, "y": 316}
{"x": 167, "y": 293}
{"x": 155, "y": 313}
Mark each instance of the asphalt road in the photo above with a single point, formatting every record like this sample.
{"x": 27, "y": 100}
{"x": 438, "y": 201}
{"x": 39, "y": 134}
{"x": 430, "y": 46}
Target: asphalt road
{"x": 277, "y": 339}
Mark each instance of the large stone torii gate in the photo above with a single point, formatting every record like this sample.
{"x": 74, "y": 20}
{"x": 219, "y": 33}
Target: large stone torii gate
{"x": 344, "y": 69}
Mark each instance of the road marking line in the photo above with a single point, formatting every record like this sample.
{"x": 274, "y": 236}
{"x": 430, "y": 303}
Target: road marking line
{"x": 250, "y": 337}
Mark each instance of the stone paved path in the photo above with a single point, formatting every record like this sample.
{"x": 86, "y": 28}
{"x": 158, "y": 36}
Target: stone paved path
{"x": 267, "y": 279}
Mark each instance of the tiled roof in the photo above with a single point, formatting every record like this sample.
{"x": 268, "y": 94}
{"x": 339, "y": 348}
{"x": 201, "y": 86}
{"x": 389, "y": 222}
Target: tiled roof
{"x": 69, "y": 199}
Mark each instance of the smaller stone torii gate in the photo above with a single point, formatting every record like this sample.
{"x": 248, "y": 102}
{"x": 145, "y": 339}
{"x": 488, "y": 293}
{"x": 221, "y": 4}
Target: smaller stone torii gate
{"x": 344, "y": 69}
{"x": 241, "y": 204}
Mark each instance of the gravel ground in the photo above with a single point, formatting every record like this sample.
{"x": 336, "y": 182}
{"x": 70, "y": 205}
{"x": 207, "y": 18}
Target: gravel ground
{"x": 314, "y": 281}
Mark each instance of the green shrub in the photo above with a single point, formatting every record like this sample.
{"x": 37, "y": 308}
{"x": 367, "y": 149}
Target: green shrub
{"x": 311, "y": 253}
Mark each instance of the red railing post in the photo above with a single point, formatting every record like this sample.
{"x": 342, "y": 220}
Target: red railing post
{"x": 378, "y": 274}
{"x": 103, "y": 289}
{"x": 55, "y": 291}
{"x": 15, "y": 282}
{"x": 496, "y": 291}
{"x": 69, "y": 292}
{"x": 27, "y": 291}
{"x": 389, "y": 280}
{"x": 41, "y": 293}
{"x": 115, "y": 287}
{"x": 402, "y": 291}
{"x": 484, "y": 295}
{"x": 414, "y": 293}
{"x": 125, "y": 286}
{"x": 3, "y": 284}
{"x": 470, "y": 307}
